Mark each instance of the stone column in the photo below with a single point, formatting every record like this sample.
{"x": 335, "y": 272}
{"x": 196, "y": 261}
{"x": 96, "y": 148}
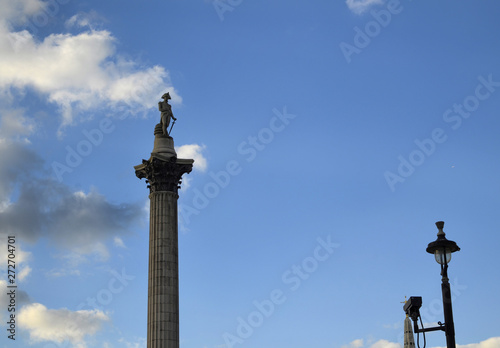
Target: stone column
{"x": 409, "y": 340}
{"x": 163, "y": 173}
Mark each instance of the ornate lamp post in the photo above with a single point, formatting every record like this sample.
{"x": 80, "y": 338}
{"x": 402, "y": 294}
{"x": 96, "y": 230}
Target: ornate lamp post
{"x": 442, "y": 249}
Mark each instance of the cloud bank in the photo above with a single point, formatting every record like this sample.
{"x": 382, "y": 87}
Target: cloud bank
{"x": 59, "y": 325}
{"x": 493, "y": 342}
{"x": 76, "y": 221}
{"x": 76, "y": 72}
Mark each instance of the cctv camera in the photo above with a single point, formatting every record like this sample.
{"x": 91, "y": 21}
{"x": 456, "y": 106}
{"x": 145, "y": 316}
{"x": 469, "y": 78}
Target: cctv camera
{"x": 412, "y": 307}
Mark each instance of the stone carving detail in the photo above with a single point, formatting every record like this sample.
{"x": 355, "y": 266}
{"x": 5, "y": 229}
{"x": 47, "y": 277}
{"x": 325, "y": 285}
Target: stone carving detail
{"x": 163, "y": 175}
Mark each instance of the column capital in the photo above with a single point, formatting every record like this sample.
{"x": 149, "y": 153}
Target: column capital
{"x": 163, "y": 173}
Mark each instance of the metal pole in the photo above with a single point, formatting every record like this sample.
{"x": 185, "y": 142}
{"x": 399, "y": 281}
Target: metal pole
{"x": 448, "y": 312}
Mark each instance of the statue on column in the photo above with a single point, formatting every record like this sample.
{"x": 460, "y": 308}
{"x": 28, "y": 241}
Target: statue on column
{"x": 166, "y": 114}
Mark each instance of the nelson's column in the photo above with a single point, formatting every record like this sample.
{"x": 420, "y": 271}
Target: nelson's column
{"x": 163, "y": 172}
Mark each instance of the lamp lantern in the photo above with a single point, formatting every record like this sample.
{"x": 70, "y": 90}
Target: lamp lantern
{"x": 442, "y": 248}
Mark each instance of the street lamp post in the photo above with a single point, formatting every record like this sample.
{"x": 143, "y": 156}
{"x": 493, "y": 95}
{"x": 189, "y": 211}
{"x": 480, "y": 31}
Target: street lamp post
{"x": 442, "y": 249}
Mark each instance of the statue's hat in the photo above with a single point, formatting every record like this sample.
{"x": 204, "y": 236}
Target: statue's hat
{"x": 166, "y": 96}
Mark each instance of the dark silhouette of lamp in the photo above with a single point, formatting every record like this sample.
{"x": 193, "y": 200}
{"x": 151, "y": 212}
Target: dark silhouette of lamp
{"x": 442, "y": 249}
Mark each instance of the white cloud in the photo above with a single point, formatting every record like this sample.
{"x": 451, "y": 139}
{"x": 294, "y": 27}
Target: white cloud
{"x": 193, "y": 151}
{"x": 78, "y": 20}
{"x": 493, "y": 342}
{"x": 25, "y": 271}
{"x": 21, "y": 299}
{"x": 84, "y": 19}
{"x": 62, "y": 272}
{"x": 117, "y": 241}
{"x": 361, "y": 6}
{"x": 385, "y": 344}
{"x": 355, "y": 344}
{"x": 77, "y": 72}
{"x": 13, "y": 124}
{"x": 4, "y": 204}
{"x": 186, "y": 183}
{"x": 21, "y": 258}
{"x": 359, "y": 343}
{"x": 19, "y": 10}
{"x": 59, "y": 325}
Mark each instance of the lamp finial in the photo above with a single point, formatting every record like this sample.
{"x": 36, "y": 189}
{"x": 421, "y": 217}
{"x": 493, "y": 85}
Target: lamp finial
{"x": 440, "y": 225}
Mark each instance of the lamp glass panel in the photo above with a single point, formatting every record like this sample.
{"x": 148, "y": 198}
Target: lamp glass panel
{"x": 441, "y": 254}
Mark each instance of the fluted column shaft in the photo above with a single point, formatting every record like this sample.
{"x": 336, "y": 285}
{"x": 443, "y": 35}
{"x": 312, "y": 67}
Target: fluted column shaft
{"x": 163, "y": 280}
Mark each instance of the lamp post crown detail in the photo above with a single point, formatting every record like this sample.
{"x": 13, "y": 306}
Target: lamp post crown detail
{"x": 440, "y": 226}
{"x": 442, "y": 246}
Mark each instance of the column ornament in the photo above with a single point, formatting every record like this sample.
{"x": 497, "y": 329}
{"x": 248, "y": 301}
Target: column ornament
{"x": 163, "y": 174}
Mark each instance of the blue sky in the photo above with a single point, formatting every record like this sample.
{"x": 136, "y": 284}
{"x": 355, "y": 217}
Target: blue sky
{"x": 328, "y": 138}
